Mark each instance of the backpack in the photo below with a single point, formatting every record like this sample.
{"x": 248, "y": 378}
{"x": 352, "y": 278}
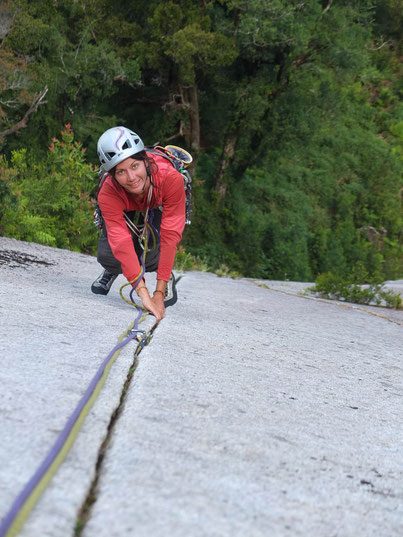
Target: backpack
{"x": 178, "y": 157}
{"x": 180, "y": 160}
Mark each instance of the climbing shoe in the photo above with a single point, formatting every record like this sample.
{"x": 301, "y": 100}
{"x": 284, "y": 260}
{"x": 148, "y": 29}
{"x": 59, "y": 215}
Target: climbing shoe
{"x": 103, "y": 283}
{"x": 171, "y": 296}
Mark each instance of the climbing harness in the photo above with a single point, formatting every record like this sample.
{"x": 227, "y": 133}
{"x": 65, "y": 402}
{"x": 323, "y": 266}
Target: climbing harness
{"x": 133, "y": 228}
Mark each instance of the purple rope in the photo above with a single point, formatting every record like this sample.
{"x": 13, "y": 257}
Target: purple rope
{"x": 151, "y": 224}
{"x": 142, "y": 261}
{"x": 142, "y": 271}
{"x": 62, "y": 438}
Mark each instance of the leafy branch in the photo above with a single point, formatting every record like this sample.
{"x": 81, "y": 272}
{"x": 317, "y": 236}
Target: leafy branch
{"x": 22, "y": 123}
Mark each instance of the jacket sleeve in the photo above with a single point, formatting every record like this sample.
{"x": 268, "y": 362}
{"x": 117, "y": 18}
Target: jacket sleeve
{"x": 119, "y": 237}
{"x": 172, "y": 223}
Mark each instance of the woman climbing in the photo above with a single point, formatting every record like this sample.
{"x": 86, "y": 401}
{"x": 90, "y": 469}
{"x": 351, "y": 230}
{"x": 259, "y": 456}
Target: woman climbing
{"x": 137, "y": 183}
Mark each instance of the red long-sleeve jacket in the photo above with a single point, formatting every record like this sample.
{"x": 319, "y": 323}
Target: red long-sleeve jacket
{"x": 168, "y": 193}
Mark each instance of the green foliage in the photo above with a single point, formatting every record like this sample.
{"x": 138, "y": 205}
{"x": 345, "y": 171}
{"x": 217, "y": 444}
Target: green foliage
{"x": 58, "y": 43}
{"x": 181, "y": 35}
{"x": 227, "y": 272}
{"x": 352, "y": 289}
{"x": 293, "y": 109}
{"x": 185, "y": 261}
{"x": 51, "y": 199}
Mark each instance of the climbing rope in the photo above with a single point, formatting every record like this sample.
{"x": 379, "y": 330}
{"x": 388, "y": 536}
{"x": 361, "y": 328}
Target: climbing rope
{"x": 150, "y": 231}
{"x": 28, "y": 497}
{"x": 13, "y": 521}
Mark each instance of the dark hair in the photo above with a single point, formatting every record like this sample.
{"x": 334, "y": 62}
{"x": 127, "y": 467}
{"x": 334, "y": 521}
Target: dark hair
{"x": 150, "y": 164}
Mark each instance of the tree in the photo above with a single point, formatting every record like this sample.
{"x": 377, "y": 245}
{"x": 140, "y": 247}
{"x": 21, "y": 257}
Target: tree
{"x": 16, "y": 85}
{"x": 292, "y": 108}
{"x": 58, "y": 49}
{"x": 175, "y": 47}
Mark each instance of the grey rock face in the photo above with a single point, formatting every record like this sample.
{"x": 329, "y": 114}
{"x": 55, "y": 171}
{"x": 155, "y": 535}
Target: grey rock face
{"x": 253, "y": 411}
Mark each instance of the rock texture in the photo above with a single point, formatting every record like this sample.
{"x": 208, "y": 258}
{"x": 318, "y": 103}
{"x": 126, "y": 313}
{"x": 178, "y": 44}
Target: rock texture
{"x": 253, "y": 412}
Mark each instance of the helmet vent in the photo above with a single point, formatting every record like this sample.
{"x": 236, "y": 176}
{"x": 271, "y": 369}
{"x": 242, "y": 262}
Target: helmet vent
{"x": 110, "y": 155}
{"x": 126, "y": 145}
{"x": 136, "y": 141}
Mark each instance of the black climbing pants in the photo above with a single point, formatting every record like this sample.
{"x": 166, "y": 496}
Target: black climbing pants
{"x": 110, "y": 263}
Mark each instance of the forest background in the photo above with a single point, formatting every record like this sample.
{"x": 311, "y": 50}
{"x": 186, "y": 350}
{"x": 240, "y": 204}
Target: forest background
{"x": 292, "y": 110}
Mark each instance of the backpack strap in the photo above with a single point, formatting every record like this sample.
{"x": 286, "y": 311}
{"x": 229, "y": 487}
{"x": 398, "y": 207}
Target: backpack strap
{"x": 162, "y": 152}
{"x": 179, "y": 165}
{"x": 102, "y": 175}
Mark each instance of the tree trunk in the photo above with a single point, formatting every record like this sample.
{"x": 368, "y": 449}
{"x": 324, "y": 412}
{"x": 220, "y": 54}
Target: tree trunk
{"x": 189, "y": 101}
{"x": 227, "y": 155}
{"x": 194, "y": 119}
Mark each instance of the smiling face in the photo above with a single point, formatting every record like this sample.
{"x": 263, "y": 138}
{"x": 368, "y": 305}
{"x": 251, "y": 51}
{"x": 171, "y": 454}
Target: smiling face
{"x": 131, "y": 174}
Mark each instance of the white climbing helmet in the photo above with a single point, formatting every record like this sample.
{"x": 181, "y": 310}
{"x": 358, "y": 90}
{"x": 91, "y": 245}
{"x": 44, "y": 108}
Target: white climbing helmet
{"x": 116, "y": 145}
